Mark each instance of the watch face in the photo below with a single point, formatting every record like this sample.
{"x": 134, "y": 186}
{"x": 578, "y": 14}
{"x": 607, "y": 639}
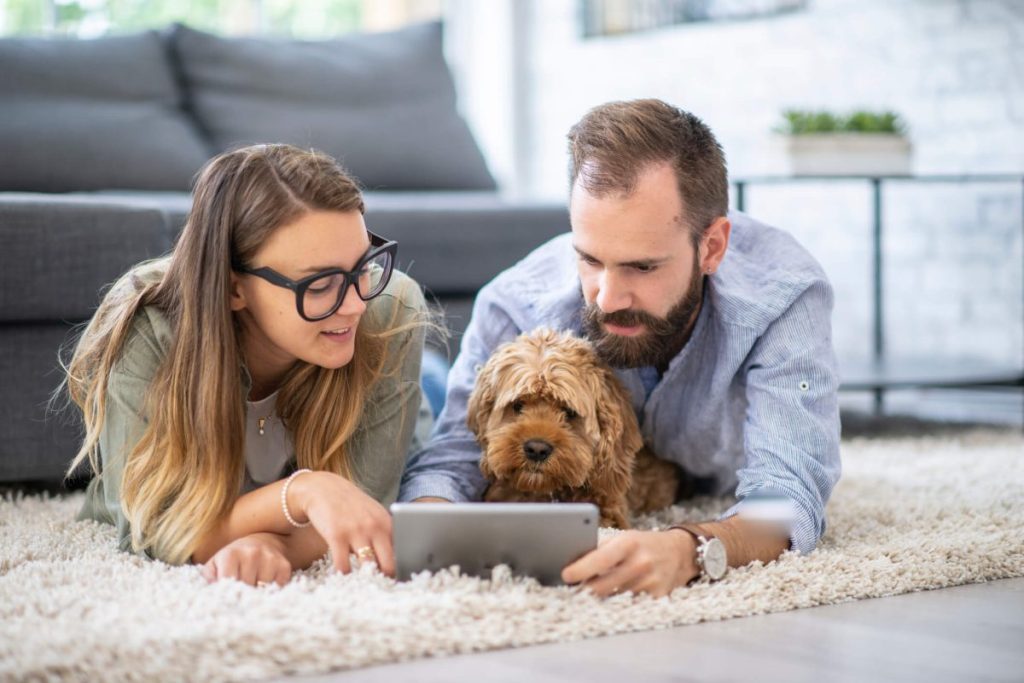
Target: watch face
{"x": 715, "y": 563}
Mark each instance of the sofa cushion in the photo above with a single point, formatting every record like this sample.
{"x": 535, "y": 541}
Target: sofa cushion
{"x": 60, "y": 251}
{"x": 454, "y": 243}
{"x": 91, "y": 114}
{"x": 37, "y": 442}
{"x": 381, "y": 103}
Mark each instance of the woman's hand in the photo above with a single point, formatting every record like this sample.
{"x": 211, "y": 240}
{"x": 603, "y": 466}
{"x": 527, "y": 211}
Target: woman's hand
{"x": 346, "y": 518}
{"x": 255, "y": 559}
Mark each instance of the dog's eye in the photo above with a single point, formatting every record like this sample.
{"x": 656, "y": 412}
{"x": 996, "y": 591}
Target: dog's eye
{"x": 570, "y": 414}
{"x": 517, "y": 407}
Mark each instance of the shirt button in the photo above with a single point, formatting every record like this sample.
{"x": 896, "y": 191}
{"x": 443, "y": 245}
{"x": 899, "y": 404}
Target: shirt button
{"x": 804, "y": 386}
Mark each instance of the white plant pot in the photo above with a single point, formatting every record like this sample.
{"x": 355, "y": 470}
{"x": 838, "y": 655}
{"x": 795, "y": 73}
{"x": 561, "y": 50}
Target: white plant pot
{"x": 848, "y": 154}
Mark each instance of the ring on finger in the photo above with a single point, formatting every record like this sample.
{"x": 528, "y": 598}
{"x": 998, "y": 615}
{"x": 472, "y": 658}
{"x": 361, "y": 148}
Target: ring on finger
{"x": 366, "y": 553}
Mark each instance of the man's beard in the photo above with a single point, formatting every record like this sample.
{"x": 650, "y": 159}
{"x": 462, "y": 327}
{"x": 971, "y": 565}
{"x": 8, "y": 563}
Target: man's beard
{"x": 661, "y": 339}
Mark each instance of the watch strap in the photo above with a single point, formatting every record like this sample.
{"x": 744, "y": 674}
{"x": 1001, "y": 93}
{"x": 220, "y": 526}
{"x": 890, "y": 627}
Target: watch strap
{"x": 700, "y": 538}
{"x": 694, "y": 531}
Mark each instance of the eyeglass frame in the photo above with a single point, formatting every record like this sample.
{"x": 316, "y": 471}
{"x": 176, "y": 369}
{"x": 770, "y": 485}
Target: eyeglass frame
{"x": 378, "y": 246}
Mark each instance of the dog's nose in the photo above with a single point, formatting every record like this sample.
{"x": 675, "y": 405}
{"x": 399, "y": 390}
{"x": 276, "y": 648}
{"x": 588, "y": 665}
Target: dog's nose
{"x": 537, "y": 450}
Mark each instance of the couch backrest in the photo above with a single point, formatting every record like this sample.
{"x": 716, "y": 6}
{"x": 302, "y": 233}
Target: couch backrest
{"x": 93, "y": 114}
{"x": 381, "y": 103}
{"x": 145, "y": 111}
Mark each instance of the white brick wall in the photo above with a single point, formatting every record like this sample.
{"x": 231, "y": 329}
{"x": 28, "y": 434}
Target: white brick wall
{"x": 953, "y": 69}
{"x": 952, "y": 263}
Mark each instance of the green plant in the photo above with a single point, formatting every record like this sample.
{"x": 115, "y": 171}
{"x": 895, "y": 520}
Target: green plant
{"x": 804, "y": 122}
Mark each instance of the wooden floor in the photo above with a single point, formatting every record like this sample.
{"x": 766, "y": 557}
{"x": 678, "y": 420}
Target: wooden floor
{"x": 968, "y": 633}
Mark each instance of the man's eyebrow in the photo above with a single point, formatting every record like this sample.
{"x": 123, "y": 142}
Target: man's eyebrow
{"x": 644, "y": 263}
{"x": 639, "y": 263}
{"x": 582, "y": 253}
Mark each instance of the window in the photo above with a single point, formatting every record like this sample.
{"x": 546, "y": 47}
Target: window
{"x": 294, "y": 18}
{"x": 611, "y": 17}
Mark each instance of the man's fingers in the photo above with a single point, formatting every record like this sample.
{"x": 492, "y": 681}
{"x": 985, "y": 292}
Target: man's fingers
{"x": 596, "y": 562}
{"x": 639, "y": 579}
{"x": 621, "y": 578}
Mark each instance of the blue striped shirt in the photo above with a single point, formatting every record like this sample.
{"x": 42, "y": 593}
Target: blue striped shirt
{"x": 749, "y": 403}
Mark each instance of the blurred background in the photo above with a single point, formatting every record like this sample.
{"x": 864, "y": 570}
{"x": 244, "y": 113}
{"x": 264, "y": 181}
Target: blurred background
{"x": 887, "y": 136}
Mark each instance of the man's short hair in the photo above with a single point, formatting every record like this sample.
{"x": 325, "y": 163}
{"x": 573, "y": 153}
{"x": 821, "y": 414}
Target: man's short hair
{"x": 614, "y": 142}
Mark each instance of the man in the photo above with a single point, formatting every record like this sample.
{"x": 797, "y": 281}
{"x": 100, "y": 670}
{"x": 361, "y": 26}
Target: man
{"x": 719, "y": 326}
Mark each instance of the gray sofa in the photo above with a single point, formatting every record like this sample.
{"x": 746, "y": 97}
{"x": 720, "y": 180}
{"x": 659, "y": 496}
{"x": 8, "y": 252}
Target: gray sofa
{"x": 100, "y": 140}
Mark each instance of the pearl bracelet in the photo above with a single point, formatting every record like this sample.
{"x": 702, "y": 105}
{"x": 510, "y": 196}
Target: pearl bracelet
{"x": 284, "y": 500}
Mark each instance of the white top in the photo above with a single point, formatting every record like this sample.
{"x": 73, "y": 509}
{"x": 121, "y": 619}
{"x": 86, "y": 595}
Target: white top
{"x": 265, "y": 454}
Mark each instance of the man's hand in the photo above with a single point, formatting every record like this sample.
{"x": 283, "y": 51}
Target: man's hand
{"x": 431, "y": 499}
{"x": 656, "y": 562}
{"x": 652, "y": 562}
{"x": 255, "y": 559}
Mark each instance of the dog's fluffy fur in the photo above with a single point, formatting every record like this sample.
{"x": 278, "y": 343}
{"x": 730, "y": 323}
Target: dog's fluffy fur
{"x": 555, "y": 424}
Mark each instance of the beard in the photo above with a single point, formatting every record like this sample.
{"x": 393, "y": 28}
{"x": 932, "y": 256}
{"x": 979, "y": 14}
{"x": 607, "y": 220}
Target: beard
{"x": 661, "y": 339}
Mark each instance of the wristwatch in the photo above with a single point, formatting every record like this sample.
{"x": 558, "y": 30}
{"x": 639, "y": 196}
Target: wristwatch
{"x": 711, "y": 558}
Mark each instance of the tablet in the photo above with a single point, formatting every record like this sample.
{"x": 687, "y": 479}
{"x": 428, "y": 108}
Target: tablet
{"x": 533, "y": 539}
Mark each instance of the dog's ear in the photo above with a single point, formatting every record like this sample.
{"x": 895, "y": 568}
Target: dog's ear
{"x": 485, "y": 466}
{"x": 481, "y": 403}
{"x": 620, "y": 438}
{"x": 478, "y": 411}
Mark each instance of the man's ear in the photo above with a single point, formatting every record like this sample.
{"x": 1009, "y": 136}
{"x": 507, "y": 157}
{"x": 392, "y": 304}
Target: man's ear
{"x": 714, "y": 244}
{"x": 237, "y": 296}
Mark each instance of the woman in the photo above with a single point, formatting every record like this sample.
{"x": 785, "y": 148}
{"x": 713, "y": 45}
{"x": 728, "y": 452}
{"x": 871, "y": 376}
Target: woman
{"x": 276, "y": 338}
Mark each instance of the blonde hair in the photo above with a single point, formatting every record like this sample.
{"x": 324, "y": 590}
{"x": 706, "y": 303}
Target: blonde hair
{"x": 186, "y": 471}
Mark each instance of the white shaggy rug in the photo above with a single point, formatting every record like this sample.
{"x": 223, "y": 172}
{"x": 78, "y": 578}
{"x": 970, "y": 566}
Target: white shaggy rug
{"x": 909, "y": 515}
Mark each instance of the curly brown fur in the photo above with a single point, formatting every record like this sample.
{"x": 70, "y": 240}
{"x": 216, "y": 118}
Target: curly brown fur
{"x": 555, "y": 424}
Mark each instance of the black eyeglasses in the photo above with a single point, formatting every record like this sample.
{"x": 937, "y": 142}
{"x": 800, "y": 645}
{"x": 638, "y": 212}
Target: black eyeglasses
{"x": 320, "y": 295}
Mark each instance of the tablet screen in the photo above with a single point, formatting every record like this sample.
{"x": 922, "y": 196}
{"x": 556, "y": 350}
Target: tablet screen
{"x": 532, "y": 539}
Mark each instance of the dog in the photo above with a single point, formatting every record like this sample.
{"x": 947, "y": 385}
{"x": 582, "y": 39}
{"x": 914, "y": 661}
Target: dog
{"x": 555, "y": 424}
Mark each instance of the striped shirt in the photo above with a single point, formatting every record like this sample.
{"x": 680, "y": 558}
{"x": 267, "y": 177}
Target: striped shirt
{"x": 748, "y": 405}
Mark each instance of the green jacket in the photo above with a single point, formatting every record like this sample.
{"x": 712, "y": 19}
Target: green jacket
{"x": 377, "y": 450}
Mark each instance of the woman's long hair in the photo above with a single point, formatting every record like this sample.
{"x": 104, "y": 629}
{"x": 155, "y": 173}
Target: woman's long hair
{"x": 186, "y": 471}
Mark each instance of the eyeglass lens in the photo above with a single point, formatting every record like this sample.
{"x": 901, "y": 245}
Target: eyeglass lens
{"x": 324, "y": 295}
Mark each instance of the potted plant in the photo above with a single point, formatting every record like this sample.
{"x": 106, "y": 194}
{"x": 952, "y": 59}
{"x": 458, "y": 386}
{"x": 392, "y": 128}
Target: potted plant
{"x": 859, "y": 143}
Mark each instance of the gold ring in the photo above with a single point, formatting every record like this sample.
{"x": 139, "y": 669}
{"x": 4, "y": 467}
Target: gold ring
{"x": 366, "y": 553}
{"x": 261, "y": 584}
